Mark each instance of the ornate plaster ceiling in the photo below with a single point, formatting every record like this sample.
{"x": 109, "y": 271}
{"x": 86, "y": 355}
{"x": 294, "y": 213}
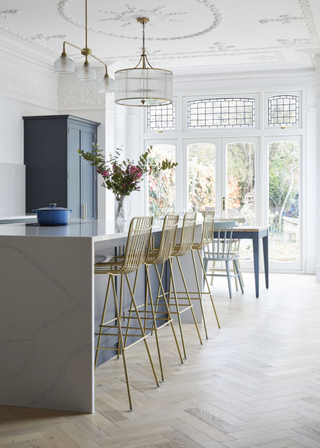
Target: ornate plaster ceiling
{"x": 208, "y": 35}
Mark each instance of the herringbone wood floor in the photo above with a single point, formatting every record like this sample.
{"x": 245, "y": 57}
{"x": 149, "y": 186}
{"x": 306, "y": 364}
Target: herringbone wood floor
{"x": 254, "y": 383}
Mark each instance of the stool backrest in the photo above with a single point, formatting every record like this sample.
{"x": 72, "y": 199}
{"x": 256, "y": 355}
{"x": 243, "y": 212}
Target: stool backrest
{"x": 187, "y": 233}
{"x": 222, "y": 243}
{"x": 138, "y": 243}
{"x": 167, "y": 242}
{"x": 207, "y": 230}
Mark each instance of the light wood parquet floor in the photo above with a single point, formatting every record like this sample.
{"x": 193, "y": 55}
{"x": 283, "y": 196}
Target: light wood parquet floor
{"x": 255, "y": 383}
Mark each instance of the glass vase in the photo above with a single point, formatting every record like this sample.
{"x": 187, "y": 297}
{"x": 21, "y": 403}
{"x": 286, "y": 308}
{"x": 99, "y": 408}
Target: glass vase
{"x": 120, "y": 211}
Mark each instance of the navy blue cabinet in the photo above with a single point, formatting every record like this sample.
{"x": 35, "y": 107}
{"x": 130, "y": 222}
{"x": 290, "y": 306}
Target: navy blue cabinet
{"x": 54, "y": 170}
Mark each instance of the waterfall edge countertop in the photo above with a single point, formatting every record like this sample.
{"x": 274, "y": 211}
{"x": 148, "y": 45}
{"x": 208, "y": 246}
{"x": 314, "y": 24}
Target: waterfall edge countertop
{"x": 50, "y": 307}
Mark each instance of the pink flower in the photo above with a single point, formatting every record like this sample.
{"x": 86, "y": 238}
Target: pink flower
{"x": 135, "y": 171}
{"x": 105, "y": 174}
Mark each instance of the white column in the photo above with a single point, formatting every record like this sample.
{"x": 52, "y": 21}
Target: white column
{"x": 317, "y": 63}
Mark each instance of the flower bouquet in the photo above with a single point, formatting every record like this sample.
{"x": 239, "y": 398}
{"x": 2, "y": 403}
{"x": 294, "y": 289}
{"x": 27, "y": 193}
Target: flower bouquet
{"x": 123, "y": 177}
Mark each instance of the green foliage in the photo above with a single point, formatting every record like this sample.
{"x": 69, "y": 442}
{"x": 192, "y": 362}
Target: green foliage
{"x": 123, "y": 177}
{"x": 161, "y": 184}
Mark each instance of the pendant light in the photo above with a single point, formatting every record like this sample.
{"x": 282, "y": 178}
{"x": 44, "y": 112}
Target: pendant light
{"x": 143, "y": 85}
{"x": 64, "y": 65}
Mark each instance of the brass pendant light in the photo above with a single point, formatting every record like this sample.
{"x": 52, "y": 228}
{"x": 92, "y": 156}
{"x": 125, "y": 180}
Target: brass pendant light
{"x": 143, "y": 85}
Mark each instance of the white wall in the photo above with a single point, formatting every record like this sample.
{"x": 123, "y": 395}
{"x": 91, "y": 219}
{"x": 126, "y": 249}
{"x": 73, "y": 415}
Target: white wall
{"x": 27, "y": 87}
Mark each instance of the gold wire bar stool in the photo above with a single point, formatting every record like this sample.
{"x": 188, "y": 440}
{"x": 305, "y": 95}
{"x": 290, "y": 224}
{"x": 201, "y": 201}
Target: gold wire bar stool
{"x": 136, "y": 252}
{"x": 155, "y": 257}
{"x": 179, "y": 305}
{"x": 206, "y": 239}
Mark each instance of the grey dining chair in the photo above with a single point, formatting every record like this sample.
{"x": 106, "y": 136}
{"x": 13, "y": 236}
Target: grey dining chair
{"x": 221, "y": 251}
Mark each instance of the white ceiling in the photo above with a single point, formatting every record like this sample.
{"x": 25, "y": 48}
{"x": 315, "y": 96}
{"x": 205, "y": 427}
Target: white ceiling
{"x": 188, "y": 35}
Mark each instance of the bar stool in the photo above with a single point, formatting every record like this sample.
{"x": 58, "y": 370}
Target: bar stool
{"x": 137, "y": 247}
{"x": 154, "y": 320}
{"x": 179, "y": 305}
{"x": 206, "y": 239}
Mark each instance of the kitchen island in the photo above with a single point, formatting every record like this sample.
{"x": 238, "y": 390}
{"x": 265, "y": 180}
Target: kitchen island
{"x": 50, "y": 306}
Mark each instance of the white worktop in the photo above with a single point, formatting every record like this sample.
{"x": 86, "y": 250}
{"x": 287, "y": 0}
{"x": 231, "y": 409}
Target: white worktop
{"x": 17, "y": 218}
{"x": 98, "y": 230}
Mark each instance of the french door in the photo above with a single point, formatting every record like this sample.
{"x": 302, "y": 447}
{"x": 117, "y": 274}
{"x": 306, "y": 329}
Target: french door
{"x": 283, "y": 158}
{"x": 221, "y": 173}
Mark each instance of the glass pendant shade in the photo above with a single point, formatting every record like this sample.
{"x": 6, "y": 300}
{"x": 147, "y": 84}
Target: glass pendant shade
{"x": 106, "y": 85}
{"x": 143, "y": 87}
{"x": 64, "y": 66}
{"x": 86, "y": 73}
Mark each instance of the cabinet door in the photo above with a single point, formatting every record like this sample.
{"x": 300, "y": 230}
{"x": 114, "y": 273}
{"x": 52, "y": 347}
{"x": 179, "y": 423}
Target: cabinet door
{"x": 88, "y": 173}
{"x": 74, "y": 162}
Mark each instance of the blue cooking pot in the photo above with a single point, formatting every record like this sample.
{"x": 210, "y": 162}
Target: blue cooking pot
{"x": 52, "y": 215}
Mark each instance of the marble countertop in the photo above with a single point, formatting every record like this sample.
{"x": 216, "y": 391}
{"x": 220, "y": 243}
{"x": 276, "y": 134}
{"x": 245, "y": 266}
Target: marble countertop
{"x": 98, "y": 230}
{"x": 16, "y": 218}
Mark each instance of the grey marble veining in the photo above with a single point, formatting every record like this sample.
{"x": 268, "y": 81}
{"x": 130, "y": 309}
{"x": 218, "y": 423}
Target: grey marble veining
{"x": 12, "y": 189}
{"x": 46, "y": 323}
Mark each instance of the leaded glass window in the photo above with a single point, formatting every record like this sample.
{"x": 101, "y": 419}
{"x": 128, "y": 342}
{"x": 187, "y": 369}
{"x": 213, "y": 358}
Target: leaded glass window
{"x": 221, "y": 113}
{"x": 283, "y": 110}
{"x": 161, "y": 118}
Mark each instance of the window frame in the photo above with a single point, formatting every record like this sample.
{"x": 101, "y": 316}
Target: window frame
{"x": 278, "y": 128}
{"x": 223, "y": 130}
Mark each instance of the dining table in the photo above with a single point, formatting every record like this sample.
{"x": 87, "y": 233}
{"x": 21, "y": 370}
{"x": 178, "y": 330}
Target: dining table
{"x": 255, "y": 233}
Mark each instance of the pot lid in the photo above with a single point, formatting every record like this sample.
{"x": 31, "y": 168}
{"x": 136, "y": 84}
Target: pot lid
{"x": 52, "y": 207}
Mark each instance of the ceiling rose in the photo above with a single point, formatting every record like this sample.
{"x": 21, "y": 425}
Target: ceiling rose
{"x": 131, "y": 13}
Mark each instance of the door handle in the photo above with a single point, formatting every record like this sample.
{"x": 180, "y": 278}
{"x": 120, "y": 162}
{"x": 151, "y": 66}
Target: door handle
{"x": 223, "y": 203}
{"x": 84, "y": 211}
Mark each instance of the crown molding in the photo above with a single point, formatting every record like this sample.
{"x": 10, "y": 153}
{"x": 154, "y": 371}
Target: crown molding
{"x": 203, "y": 80}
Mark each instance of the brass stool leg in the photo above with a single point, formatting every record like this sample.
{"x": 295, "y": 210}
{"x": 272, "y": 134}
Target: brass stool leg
{"x": 199, "y": 294}
{"x": 102, "y": 320}
{"x": 122, "y": 348}
{"x": 148, "y": 287}
{"x": 189, "y": 300}
{"x": 207, "y": 282}
{"x": 176, "y": 305}
{"x": 168, "y": 311}
{"x": 130, "y": 309}
{"x": 142, "y": 330}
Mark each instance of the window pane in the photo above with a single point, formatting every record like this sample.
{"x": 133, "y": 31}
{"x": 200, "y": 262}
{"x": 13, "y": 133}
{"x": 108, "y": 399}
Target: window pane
{"x": 241, "y": 181}
{"x": 161, "y": 118}
{"x": 161, "y": 186}
{"x": 283, "y": 110}
{"x": 201, "y": 176}
{"x": 284, "y": 201}
{"x": 241, "y": 188}
{"x": 221, "y": 113}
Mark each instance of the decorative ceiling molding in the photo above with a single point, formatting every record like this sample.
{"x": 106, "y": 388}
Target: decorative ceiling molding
{"x": 23, "y": 83}
{"x": 219, "y": 46}
{"x": 75, "y": 95}
{"x": 294, "y": 42}
{"x": 12, "y": 12}
{"x": 130, "y": 16}
{"x": 284, "y": 19}
{"x": 308, "y": 17}
{"x": 29, "y": 39}
{"x": 64, "y": 11}
{"x": 39, "y": 37}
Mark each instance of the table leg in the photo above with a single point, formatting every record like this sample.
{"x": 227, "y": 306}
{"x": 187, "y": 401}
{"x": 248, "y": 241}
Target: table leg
{"x": 265, "y": 242}
{"x": 255, "y": 241}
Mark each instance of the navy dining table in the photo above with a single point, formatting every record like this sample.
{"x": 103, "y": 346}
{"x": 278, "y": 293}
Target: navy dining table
{"x": 254, "y": 233}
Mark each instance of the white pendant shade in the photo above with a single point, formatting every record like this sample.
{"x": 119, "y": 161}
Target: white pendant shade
{"x": 86, "y": 73}
{"x": 143, "y": 87}
{"x": 106, "y": 85}
{"x": 64, "y": 66}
